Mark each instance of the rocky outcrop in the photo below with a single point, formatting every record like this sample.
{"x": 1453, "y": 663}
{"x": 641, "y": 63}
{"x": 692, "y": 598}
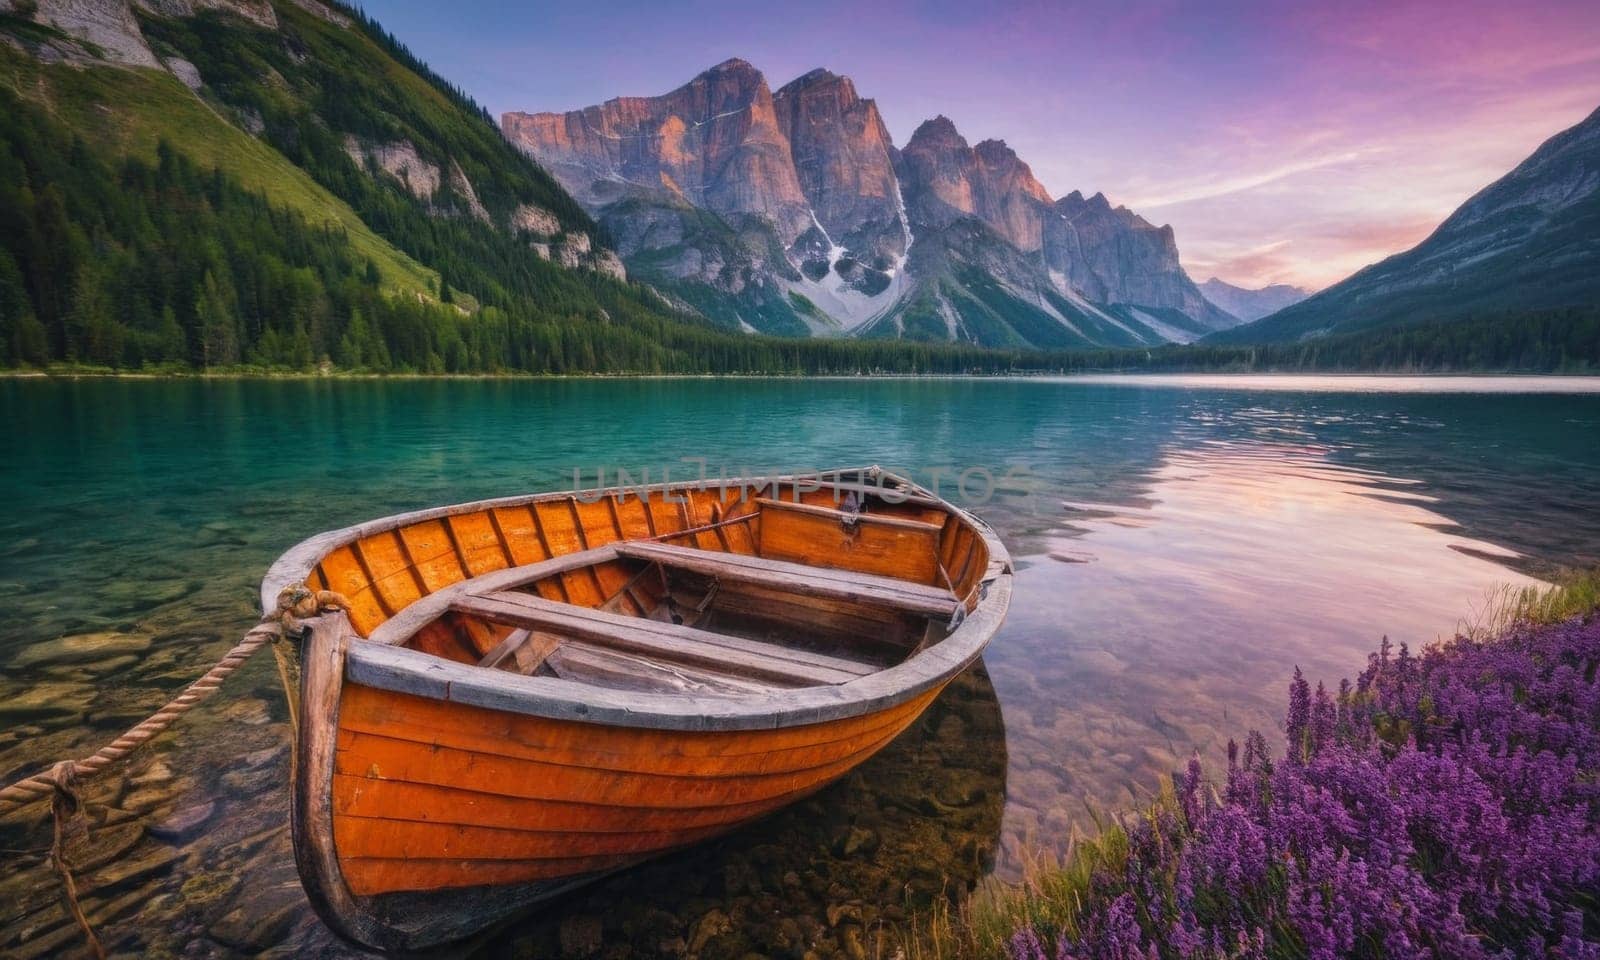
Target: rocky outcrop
{"x": 462, "y": 187}
{"x": 111, "y": 30}
{"x": 186, "y": 72}
{"x": 317, "y": 8}
{"x": 843, "y": 158}
{"x": 536, "y": 220}
{"x": 399, "y": 160}
{"x": 109, "y": 25}
{"x": 257, "y": 12}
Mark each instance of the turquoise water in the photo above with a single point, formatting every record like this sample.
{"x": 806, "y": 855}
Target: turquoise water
{"x": 1181, "y": 543}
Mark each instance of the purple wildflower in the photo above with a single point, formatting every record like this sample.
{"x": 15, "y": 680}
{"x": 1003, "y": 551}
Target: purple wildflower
{"x": 1299, "y": 719}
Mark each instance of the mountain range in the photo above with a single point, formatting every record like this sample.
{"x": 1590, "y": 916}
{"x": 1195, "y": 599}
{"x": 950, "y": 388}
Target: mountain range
{"x": 793, "y": 212}
{"x": 1247, "y": 304}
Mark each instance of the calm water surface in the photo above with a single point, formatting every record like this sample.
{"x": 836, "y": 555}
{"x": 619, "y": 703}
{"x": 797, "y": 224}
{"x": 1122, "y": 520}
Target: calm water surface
{"x": 1181, "y": 544}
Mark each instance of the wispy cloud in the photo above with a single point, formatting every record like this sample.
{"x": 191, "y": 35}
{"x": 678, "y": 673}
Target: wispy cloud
{"x": 1226, "y": 184}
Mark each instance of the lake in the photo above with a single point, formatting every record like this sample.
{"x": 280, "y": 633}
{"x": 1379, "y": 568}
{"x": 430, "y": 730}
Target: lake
{"x": 1182, "y": 544}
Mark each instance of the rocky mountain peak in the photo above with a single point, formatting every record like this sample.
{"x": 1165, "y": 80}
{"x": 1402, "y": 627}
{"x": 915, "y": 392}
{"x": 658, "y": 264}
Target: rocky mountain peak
{"x": 1007, "y": 173}
{"x": 946, "y": 179}
{"x": 842, "y": 156}
{"x": 735, "y": 67}
{"x": 812, "y": 79}
{"x": 938, "y": 132}
{"x": 1248, "y": 304}
{"x": 714, "y": 142}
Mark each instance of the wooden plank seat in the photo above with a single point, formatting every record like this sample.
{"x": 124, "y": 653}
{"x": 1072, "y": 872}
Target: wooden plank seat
{"x": 590, "y": 663}
{"x": 920, "y": 599}
{"x": 736, "y": 656}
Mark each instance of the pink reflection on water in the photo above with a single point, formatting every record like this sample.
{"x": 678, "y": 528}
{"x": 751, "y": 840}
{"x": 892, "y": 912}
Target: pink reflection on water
{"x": 1141, "y": 634}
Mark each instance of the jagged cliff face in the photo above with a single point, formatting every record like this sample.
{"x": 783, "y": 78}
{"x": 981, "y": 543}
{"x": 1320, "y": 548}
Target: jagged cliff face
{"x": 1113, "y": 255}
{"x": 1106, "y": 264}
{"x": 793, "y": 212}
{"x": 714, "y": 143}
{"x": 946, "y": 180}
{"x": 804, "y": 233}
{"x": 843, "y": 158}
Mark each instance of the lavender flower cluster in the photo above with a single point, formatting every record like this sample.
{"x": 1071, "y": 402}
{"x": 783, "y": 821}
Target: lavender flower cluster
{"x": 1442, "y": 806}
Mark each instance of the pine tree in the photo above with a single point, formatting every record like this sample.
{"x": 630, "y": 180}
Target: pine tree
{"x": 214, "y": 314}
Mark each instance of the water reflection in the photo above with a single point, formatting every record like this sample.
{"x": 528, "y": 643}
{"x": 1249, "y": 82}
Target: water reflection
{"x": 1188, "y": 608}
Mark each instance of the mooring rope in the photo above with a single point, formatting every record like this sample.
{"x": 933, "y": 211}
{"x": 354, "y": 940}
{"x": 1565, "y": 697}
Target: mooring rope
{"x": 44, "y": 784}
{"x": 59, "y": 783}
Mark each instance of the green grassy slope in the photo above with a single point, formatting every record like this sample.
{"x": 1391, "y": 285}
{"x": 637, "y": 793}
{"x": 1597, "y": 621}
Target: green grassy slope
{"x": 131, "y": 111}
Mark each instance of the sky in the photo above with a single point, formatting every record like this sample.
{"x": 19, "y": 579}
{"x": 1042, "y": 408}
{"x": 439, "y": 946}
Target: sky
{"x": 1284, "y": 142}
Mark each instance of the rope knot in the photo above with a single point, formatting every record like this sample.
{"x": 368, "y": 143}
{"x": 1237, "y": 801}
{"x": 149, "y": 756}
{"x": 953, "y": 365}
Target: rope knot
{"x": 299, "y": 602}
{"x": 63, "y": 780}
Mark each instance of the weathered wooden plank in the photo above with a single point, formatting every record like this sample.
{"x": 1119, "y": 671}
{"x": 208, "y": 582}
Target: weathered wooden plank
{"x": 383, "y": 759}
{"x": 799, "y": 578}
{"x": 675, "y": 632}
{"x": 576, "y": 743}
{"x": 664, "y": 640}
{"x": 525, "y": 648}
{"x": 481, "y": 547}
{"x": 864, "y": 632}
{"x": 588, "y": 663}
{"x": 393, "y": 800}
{"x": 824, "y": 537}
{"x": 837, "y": 515}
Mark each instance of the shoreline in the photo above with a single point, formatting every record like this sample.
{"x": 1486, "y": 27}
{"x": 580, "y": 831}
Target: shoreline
{"x": 1086, "y": 376}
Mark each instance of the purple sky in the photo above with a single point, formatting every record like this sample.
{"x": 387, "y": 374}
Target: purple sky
{"x": 1284, "y": 142}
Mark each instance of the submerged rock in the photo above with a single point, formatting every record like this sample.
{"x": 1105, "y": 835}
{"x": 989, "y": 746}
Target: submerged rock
{"x": 46, "y": 701}
{"x": 247, "y": 929}
{"x": 80, "y": 648}
{"x": 184, "y": 823}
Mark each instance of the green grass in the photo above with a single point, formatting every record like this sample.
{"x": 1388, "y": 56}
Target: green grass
{"x": 1575, "y": 594}
{"x": 1049, "y": 896}
{"x": 132, "y": 110}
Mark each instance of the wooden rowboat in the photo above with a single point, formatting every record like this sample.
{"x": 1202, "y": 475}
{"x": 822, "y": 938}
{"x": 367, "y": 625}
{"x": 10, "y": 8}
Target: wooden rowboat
{"x": 529, "y": 693}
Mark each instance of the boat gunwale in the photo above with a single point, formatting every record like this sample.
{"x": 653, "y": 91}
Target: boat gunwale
{"x": 382, "y": 665}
